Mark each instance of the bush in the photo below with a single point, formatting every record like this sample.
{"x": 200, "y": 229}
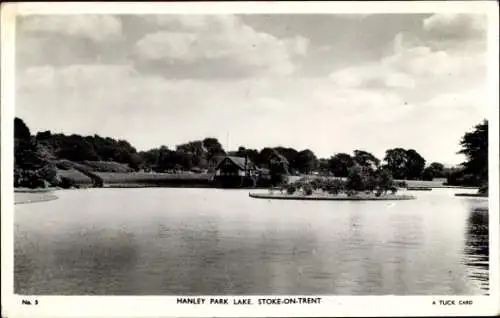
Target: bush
{"x": 308, "y": 189}
{"x": 460, "y": 178}
{"x": 29, "y": 179}
{"x": 483, "y": 189}
{"x": 361, "y": 179}
{"x": 67, "y": 183}
{"x": 428, "y": 174}
{"x": 49, "y": 173}
{"x": 316, "y": 184}
{"x": 384, "y": 180}
{"x": 335, "y": 186}
{"x": 400, "y": 184}
{"x": 291, "y": 189}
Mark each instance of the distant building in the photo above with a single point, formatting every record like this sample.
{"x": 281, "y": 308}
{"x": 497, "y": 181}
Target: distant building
{"x": 214, "y": 162}
{"x": 234, "y": 172}
{"x": 235, "y": 166}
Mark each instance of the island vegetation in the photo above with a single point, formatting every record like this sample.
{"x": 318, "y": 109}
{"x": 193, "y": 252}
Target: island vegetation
{"x": 47, "y": 159}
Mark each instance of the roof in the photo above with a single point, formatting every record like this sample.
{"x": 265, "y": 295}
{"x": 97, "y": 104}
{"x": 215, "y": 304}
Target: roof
{"x": 218, "y": 158}
{"x": 240, "y": 162}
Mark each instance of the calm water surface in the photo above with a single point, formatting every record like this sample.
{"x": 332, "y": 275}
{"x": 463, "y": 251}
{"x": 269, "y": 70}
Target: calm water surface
{"x": 207, "y": 241}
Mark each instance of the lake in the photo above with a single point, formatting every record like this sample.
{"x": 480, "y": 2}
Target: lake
{"x": 173, "y": 241}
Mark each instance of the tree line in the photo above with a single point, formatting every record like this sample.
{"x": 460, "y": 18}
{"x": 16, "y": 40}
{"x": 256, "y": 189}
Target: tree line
{"x": 32, "y": 152}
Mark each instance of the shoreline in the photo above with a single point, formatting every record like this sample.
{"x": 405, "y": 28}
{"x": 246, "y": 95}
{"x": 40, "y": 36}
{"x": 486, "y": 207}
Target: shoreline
{"x": 36, "y": 190}
{"x": 472, "y": 195}
{"x": 313, "y": 197}
{"x": 26, "y": 197}
{"x": 125, "y": 185}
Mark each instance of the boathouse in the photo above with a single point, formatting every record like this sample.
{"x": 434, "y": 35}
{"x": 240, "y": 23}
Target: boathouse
{"x": 234, "y": 172}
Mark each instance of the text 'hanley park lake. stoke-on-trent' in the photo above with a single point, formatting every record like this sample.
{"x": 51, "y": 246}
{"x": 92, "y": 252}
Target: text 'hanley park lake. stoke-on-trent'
{"x": 172, "y": 241}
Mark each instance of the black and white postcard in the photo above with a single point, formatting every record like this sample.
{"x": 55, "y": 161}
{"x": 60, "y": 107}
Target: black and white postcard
{"x": 250, "y": 159}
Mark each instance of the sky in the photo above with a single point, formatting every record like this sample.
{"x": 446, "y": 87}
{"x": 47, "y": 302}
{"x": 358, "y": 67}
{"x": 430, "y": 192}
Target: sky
{"x": 325, "y": 82}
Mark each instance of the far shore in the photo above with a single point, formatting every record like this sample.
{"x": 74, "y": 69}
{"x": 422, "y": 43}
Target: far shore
{"x": 472, "y": 195}
{"x": 23, "y": 197}
{"x": 329, "y": 197}
{"x": 132, "y": 180}
{"x": 36, "y": 190}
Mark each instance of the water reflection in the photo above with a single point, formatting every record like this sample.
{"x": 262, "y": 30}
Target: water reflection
{"x": 476, "y": 249}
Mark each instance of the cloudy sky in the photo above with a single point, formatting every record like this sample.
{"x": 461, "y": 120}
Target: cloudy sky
{"x": 330, "y": 83}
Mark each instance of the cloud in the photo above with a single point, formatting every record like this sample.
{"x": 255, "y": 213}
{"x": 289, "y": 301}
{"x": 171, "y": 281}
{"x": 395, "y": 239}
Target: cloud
{"x": 465, "y": 104}
{"x": 455, "y": 26}
{"x": 222, "y": 41}
{"x": 69, "y": 39}
{"x": 99, "y": 28}
{"x": 417, "y": 62}
{"x": 423, "y": 61}
{"x": 174, "y": 87}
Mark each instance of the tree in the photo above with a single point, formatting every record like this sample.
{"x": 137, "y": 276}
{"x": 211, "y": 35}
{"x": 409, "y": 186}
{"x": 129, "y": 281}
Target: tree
{"x": 438, "y": 169}
{"x": 305, "y": 161}
{"x": 27, "y": 155}
{"x": 252, "y": 154}
{"x": 323, "y": 165}
{"x": 196, "y": 151}
{"x": 428, "y": 174}
{"x": 76, "y": 148}
{"x": 404, "y": 164}
{"x": 415, "y": 164}
{"x": 365, "y": 159}
{"x": 356, "y": 180}
{"x": 21, "y": 130}
{"x": 384, "y": 180}
{"x": 340, "y": 163}
{"x": 265, "y": 155}
{"x": 213, "y": 148}
{"x": 475, "y": 147}
{"x": 396, "y": 162}
{"x": 289, "y": 153}
{"x": 434, "y": 170}
{"x": 278, "y": 167}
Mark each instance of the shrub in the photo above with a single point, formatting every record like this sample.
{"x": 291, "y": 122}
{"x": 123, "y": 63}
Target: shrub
{"x": 360, "y": 179}
{"x": 483, "y": 189}
{"x": 335, "y": 186}
{"x": 67, "y": 183}
{"x": 291, "y": 189}
{"x": 29, "y": 179}
{"x": 49, "y": 173}
{"x": 401, "y": 184}
{"x": 384, "y": 180}
{"x": 308, "y": 189}
{"x": 461, "y": 178}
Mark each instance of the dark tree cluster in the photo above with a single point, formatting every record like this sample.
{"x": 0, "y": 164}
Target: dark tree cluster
{"x": 194, "y": 155}
{"x": 405, "y": 163}
{"x": 363, "y": 179}
{"x": 34, "y": 152}
{"x": 474, "y": 171}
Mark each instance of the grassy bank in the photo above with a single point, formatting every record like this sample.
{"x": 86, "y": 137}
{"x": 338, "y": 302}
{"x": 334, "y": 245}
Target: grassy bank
{"x": 33, "y": 196}
{"x": 472, "y": 195}
{"x": 28, "y": 190}
{"x": 145, "y": 179}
